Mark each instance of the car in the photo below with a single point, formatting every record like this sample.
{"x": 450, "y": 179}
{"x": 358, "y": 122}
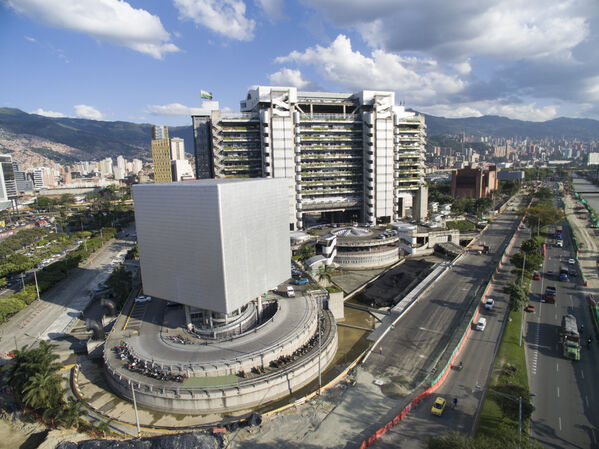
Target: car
{"x": 143, "y": 299}
{"x": 571, "y": 261}
{"x": 481, "y": 324}
{"x": 290, "y": 291}
{"x": 438, "y": 406}
{"x": 536, "y": 276}
{"x": 530, "y": 308}
{"x": 489, "y": 303}
{"x": 559, "y": 244}
{"x": 301, "y": 281}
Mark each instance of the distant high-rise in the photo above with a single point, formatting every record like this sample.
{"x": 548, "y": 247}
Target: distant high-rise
{"x": 161, "y": 154}
{"x": 177, "y": 149}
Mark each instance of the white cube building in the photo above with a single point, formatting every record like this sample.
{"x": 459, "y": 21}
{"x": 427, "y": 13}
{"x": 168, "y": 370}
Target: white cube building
{"x": 213, "y": 244}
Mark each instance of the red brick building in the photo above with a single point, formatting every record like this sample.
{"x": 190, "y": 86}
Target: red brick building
{"x": 475, "y": 183}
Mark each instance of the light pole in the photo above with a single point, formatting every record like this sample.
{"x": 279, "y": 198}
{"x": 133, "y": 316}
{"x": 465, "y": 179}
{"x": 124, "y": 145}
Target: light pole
{"x": 135, "y": 407}
{"x": 522, "y": 308}
{"x": 519, "y": 399}
{"x": 37, "y": 290}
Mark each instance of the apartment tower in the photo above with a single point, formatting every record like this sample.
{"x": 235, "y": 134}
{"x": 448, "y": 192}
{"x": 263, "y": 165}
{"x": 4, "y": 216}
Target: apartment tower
{"x": 161, "y": 154}
{"x": 349, "y": 157}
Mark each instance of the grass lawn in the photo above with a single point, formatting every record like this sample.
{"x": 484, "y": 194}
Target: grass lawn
{"x": 461, "y": 225}
{"x": 510, "y": 367}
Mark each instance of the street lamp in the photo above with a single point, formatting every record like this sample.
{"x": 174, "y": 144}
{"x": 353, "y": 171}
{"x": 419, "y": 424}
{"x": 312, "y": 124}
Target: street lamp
{"x": 519, "y": 399}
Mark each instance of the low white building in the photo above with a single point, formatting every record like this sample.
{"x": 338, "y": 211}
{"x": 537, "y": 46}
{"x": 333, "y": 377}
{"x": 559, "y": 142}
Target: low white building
{"x": 417, "y": 240}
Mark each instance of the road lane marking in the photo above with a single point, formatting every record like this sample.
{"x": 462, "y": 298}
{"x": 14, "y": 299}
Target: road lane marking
{"x": 558, "y": 392}
{"x": 560, "y": 422}
{"x": 557, "y": 367}
{"x": 582, "y": 374}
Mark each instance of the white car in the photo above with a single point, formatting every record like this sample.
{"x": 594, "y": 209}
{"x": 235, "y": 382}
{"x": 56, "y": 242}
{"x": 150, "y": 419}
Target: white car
{"x": 489, "y": 303}
{"x": 571, "y": 261}
{"x": 143, "y": 299}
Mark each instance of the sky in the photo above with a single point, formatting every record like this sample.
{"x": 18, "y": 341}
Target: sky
{"x": 147, "y": 61}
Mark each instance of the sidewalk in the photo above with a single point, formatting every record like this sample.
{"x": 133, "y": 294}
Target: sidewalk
{"x": 585, "y": 235}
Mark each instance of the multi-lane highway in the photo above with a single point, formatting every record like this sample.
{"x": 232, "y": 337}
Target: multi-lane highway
{"x": 565, "y": 391}
{"x": 410, "y": 350}
{"x": 467, "y": 384}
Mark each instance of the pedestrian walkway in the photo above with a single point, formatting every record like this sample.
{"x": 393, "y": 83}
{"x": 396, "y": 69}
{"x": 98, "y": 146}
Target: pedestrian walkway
{"x": 585, "y": 235}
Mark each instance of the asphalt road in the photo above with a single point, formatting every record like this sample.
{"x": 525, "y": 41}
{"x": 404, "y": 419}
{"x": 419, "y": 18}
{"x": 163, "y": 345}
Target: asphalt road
{"x": 467, "y": 384}
{"x": 565, "y": 390}
{"x": 48, "y": 318}
{"x": 411, "y": 349}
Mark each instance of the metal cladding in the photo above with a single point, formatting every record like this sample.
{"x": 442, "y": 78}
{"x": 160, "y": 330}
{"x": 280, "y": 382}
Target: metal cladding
{"x": 213, "y": 244}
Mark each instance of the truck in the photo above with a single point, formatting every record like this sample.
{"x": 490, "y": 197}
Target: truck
{"x": 570, "y": 338}
{"x": 559, "y": 232}
{"x": 563, "y": 274}
{"x": 550, "y": 293}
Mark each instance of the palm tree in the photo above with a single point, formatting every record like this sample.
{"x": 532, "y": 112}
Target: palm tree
{"x": 72, "y": 413}
{"x": 43, "y": 390}
{"x": 103, "y": 427}
{"x": 325, "y": 272}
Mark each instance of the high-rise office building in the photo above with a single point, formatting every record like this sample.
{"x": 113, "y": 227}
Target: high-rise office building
{"x": 177, "y": 149}
{"x": 349, "y": 157}
{"x": 8, "y": 184}
{"x": 161, "y": 154}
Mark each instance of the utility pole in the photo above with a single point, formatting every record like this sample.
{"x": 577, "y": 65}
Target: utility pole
{"x": 135, "y": 407}
{"x": 37, "y": 290}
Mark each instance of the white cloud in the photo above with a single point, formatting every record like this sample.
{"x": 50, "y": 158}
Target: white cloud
{"x": 89, "y": 112}
{"x": 30, "y": 39}
{"x": 114, "y": 21}
{"x": 226, "y": 17}
{"x": 176, "y": 109}
{"x": 290, "y": 77}
{"x": 463, "y": 68}
{"x": 420, "y": 80}
{"x": 272, "y": 8}
{"x": 40, "y": 111}
{"x": 508, "y": 30}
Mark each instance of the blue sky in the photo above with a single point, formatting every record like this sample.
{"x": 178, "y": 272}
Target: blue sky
{"x": 146, "y": 61}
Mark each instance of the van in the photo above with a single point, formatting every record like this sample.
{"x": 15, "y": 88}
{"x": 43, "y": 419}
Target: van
{"x": 481, "y": 324}
{"x": 290, "y": 291}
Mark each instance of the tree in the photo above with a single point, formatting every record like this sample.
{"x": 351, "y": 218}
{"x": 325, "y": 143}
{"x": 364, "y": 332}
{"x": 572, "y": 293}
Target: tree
{"x": 67, "y": 198}
{"x": 306, "y": 251}
{"x": 72, "y": 413}
{"x": 43, "y": 390}
{"x": 324, "y": 274}
{"x": 530, "y": 246}
{"x": 518, "y": 297}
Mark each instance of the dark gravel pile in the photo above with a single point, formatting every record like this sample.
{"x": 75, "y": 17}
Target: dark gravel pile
{"x": 194, "y": 440}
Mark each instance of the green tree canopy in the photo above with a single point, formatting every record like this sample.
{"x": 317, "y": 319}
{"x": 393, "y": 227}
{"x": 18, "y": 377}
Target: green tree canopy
{"x": 518, "y": 297}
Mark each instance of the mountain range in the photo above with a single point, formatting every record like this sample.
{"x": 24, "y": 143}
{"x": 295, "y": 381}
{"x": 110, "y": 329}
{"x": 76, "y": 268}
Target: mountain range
{"x": 100, "y": 139}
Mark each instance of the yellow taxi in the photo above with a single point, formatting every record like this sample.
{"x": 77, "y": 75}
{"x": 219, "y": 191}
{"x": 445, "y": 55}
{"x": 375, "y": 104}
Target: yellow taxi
{"x": 438, "y": 406}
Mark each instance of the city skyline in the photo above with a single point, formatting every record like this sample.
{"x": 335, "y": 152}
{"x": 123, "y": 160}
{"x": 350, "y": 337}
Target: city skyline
{"x": 150, "y": 61}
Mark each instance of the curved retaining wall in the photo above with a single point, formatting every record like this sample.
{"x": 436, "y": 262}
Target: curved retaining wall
{"x": 175, "y": 398}
{"x": 362, "y": 260}
{"x": 295, "y": 339}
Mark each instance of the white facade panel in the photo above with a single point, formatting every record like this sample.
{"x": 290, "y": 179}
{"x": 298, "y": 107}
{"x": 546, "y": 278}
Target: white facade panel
{"x": 212, "y": 244}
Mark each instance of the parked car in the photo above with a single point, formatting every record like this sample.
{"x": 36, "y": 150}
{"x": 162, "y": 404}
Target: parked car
{"x": 438, "y": 406}
{"x": 489, "y": 303}
{"x": 301, "y": 281}
{"x": 536, "y": 276}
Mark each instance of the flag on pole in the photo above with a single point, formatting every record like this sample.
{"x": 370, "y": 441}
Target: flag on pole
{"x": 206, "y": 95}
